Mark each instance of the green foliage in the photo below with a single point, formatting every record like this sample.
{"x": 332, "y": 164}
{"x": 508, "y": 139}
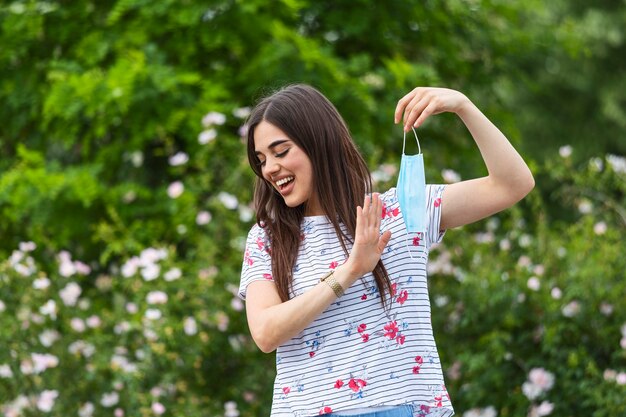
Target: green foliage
{"x": 121, "y": 131}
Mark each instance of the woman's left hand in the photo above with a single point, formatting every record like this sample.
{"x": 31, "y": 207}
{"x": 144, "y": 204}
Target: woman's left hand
{"x": 422, "y": 102}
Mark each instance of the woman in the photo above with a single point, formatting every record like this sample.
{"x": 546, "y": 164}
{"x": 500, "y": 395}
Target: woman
{"x": 333, "y": 281}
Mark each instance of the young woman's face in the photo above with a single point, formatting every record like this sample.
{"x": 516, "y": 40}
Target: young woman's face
{"x": 285, "y": 165}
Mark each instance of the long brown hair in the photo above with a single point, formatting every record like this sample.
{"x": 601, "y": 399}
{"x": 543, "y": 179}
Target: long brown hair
{"x": 314, "y": 124}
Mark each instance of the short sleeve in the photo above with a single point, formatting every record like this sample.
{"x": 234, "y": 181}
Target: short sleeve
{"x": 257, "y": 263}
{"x": 434, "y": 193}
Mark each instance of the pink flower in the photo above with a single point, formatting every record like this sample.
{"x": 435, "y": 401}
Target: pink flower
{"x": 416, "y": 369}
{"x": 286, "y": 390}
{"x": 400, "y": 339}
{"x": 416, "y": 241}
{"x": 391, "y": 329}
{"x": 326, "y": 410}
{"x": 361, "y": 328}
{"x": 339, "y": 384}
{"x": 175, "y": 189}
{"x": 365, "y": 337}
{"x": 419, "y": 360}
{"x": 404, "y": 295}
{"x": 333, "y": 265}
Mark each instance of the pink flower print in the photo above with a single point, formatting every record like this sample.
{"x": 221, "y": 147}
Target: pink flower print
{"x": 384, "y": 211}
{"x": 333, "y": 265}
{"x": 391, "y": 329}
{"x": 395, "y": 212}
{"x": 437, "y": 202}
{"x": 438, "y": 402}
{"x": 416, "y": 369}
{"x": 365, "y": 337}
{"x": 311, "y": 354}
{"x": 416, "y": 241}
{"x": 364, "y": 297}
{"x": 425, "y": 409}
{"x": 356, "y": 384}
{"x": 286, "y": 390}
{"x": 404, "y": 295}
{"x": 400, "y": 339}
{"x": 326, "y": 410}
{"x": 260, "y": 243}
{"x": 339, "y": 384}
{"x": 394, "y": 289}
{"x": 419, "y": 360}
{"x": 267, "y": 276}
{"x": 361, "y": 328}
{"x": 247, "y": 258}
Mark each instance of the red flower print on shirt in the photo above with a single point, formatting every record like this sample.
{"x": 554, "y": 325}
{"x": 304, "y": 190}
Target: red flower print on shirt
{"x": 400, "y": 339}
{"x": 404, "y": 295}
{"x": 394, "y": 289}
{"x": 260, "y": 243}
{"x": 390, "y": 213}
{"x": 267, "y": 276}
{"x": 326, "y": 410}
{"x": 419, "y": 360}
{"x": 437, "y": 202}
{"x": 364, "y": 297}
{"x": 333, "y": 265}
{"x": 416, "y": 241}
{"x": 339, "y": 384}
{"x": 311, "y": 354}
{"x": 438, "y": 402}
{"x": 286, "y": 390}
{"x": 416, "y": 369}
{"x": 365, "y": 337}
{"x": 361, "y": 327}
{"x": 391, "y": 329}
{"x": 356, "y": 384}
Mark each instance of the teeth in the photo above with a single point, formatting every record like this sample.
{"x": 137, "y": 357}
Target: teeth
{"x": 284, "y": 181}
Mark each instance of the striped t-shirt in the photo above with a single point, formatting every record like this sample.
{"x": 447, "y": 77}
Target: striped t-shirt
{"x": 356, "y": 354}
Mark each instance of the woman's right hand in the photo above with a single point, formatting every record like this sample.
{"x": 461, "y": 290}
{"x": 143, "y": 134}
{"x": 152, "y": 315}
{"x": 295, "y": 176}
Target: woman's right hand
{"x": 368, "y": 242}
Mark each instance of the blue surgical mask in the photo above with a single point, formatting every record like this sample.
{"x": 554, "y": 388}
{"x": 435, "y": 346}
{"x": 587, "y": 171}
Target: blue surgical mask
{"x": 411, "y": 189}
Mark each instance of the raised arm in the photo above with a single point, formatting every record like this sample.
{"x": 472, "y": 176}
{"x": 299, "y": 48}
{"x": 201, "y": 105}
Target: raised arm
{"x": 273, "y": 322}
{"x": 509, "y": 179}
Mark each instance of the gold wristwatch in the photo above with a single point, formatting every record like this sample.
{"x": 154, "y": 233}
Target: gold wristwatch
{"x": 332, "y": 283}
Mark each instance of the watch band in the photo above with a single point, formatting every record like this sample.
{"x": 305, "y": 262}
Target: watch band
{"x": 332, "y": 283}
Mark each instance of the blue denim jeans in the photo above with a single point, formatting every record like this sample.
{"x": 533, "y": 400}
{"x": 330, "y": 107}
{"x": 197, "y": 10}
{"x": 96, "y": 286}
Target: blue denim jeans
{"x": 399, "y": 411}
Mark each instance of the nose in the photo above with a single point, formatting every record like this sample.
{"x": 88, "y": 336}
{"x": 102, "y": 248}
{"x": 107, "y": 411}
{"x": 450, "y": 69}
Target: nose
{"x": 271, "y": 167}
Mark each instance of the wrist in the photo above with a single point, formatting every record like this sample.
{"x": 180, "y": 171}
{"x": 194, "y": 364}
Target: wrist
{"x": 347, "y": 273}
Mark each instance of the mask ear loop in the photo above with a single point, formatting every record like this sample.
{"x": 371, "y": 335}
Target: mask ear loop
{"x": 419, "y": 149}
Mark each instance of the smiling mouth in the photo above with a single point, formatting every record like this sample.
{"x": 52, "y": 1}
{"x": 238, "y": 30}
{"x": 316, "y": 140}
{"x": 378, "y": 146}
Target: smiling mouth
{"x": 281, "y": 184}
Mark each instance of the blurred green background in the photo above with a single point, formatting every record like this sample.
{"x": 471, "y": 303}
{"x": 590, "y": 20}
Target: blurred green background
{"x": 125, "y": 194}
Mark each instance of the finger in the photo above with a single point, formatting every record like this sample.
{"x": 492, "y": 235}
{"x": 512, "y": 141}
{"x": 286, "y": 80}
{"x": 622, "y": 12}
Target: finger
{"x": 402, "y": 103}
{"x": 428, "y": 111}
{"x": 416, "y": 110}
{"x": 366, "y": 211}
{"x": 359, "y": 222}
{"x": 384, "y": 240}
{"x": 377, "y": 212}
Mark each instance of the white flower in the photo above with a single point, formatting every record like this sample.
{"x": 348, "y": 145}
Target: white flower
{"x": 585, "y": 207}
{"x": 609, "y": 375}
{"x": 599, "y": 228}
{"x": 534, "y": 283}
{"x": 190, "y": 326}
{"x": 230, "y": 409}
{"x": 175, "y": 189}
{"x": 150, "y": 272}
{"x": 3, "y": 306}
{"x": 130, "y": 267}
{"x": 203, "y": 217}
{"x": 81, "y": 347}
{"x": 207, "y": 136}
{"x": 70, "y": 294}
{"x": 49, "y": 309}
{"x": 543, "y": 409}
{"x": 121, "y": 327}
{"x": 158, "y": 408}
{"x": 606, "y": 308}
{"x": 571, "y": 309}
{"x": 525, "y": 241}
{"x": 43, "y": 361}
{"x": 5, "y": 371}
{"x": 153, "y": 314}
{"x": 180, "y": 158}
{"x": 505, "y": 244}
{"x": 542, "y": 378}
{"x": 213, "y": 118}
{"x": 556, "y": 293}
{"x": 86, "y": 410}
{"x": 132, "y": 308}
{"x": 173, "y": 274}
{"x": 228, "y": 200}
{"x": 565, "y": 151}
{"x": 41, "y": 283}
{"x": 82, "y": 268}
{"x": 622, "y": 342}
{"x": 621, "y": 378}
{"x": 93, "y": 321}
{"x": 156, "y": 297}
{"x": 136, "y": 158}
{"x": 77, "y": 325}
{"x": 242, "y": 112}
{"x": 530, "y": 390}
{"x": 110, "y": 399}
{"x": 623, "y": 329}
{"x": 45, "y": 402}
{"x": 222, "y": 321}
{"x": 245, "y": 213}
{"x": 27, "y": 246}
{"x": 450, "y": 176}
{"x": 618, "y": 163}
{"x": 48, "y": 337}
{"x": 236, "y": 304}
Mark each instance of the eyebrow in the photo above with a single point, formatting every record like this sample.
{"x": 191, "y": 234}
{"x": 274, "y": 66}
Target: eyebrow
{"x": 273, "y": 145}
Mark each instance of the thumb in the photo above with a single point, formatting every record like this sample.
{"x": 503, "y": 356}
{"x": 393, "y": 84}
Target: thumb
{"x": 384, "y": 239}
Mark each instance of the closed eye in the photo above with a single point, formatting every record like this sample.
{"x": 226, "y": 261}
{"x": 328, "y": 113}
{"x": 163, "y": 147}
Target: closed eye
{"x": 278, "y": 155}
